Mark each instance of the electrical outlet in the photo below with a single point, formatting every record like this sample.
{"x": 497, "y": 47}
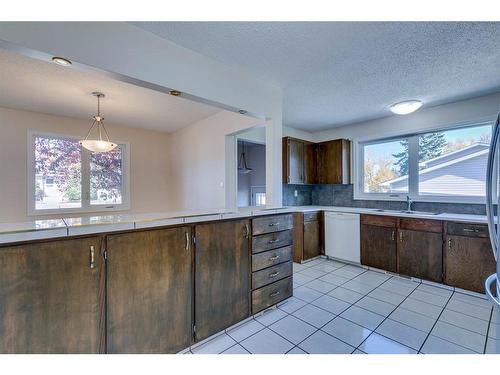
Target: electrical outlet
{"x": 295, "y": 193}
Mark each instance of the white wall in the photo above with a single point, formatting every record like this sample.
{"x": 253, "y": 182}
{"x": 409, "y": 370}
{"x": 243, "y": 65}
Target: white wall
{"x": 477, "y": 109}
{"x": 122, "y": 48}
{"x": 198, "y": 160}
{"x": 150, "y": 180}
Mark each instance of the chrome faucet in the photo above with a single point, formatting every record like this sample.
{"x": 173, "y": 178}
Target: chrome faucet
{"x": 409, "y": 202}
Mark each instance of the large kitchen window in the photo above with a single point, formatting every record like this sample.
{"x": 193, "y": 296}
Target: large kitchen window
{"x": 63, "y": 177}
{"x": 440, "y": 166}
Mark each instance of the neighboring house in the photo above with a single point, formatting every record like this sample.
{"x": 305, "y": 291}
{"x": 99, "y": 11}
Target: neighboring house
{"x": 462, "y": 172}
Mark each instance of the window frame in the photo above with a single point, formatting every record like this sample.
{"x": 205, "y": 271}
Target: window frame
{"x": 86, "y": 207}
{"x": 413, "y": 162}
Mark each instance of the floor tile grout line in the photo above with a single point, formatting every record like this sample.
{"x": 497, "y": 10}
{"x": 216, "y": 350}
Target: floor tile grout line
{"x": 387, "y": 317}
{"x": 488, "y": 331}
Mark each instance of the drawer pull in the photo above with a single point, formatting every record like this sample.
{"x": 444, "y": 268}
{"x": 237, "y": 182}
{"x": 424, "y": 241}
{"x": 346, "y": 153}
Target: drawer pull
{"x": 471, "y": 230}
{"x": 274, "y": 294}
{"x": 273, "y": 241}
{"x": 274, "y": 257}
{"x": 273, "y": 275}
{"x": 273, "y": 224}
{"x": 449, "y": 244}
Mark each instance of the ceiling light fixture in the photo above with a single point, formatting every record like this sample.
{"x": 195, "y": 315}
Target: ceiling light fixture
{"x": 242, "y": 164}
{"x": 98, "y": 145}
{"x": 406, "y": 107}
{"x": 175, "y": 93}
{"x": 61, "y": 61}
{"x": 242, "y": 112}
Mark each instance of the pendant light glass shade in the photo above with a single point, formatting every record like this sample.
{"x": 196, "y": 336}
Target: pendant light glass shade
{"x": 99, "y": 144}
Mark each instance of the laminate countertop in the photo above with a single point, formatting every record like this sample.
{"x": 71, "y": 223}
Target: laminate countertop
{"x": 93, "y": 224}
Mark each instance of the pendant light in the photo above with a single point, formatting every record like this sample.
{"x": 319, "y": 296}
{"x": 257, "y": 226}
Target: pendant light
{"x": 99, "y": 144}
{"x": 242, "y": 163}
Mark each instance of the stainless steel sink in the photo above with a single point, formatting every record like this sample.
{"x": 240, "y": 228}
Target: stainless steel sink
{"x": 408, "y": 212}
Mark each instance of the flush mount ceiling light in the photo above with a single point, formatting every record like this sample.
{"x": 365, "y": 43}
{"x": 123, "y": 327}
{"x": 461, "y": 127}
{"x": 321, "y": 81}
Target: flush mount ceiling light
{"x": 61, "y": 61}
{"x": 242, "y": 112}
{"x": 99, "y": 144}
{"x": 175, "y": 93}
{"x": 406, "y": 107}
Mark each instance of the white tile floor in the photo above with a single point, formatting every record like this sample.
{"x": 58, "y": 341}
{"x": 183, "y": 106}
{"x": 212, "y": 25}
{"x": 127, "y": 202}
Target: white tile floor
{"x": 340, "y": 308}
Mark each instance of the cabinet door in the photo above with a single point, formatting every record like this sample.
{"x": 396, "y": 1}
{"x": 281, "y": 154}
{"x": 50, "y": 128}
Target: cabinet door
{"x": 311, "y": 239}
{"x": 378, "y": 247}
{"x": 295, "y": 161}
{"x": 222, "y": 278}
{"x": 149, "y": 291}
{"x": 468, "y": 262}
{"x": 310, "y": 164}
{"x": 50, "y": 297}
{"x": 334, "y": 162}
{"x": 421, "y": 254}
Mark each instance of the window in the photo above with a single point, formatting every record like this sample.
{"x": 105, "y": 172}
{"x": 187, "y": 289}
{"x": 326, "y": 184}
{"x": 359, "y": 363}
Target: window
{"x": 258, "y": 195}
{"x": 64, "y": 177}
{"x": 446, "y": 165}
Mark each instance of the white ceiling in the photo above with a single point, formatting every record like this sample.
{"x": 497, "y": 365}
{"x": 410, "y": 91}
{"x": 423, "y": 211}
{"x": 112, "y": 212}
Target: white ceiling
{"x": 40, "y": 86}
{"x": 336, "y": 73}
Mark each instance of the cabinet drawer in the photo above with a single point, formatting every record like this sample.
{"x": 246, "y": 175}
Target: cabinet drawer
{"x": 425, "y": 225}
{"x": 271, "y": 241}
{"x": 269, "y": 224}
{"x": 271, "y": 258}
{"x": 271, "y": 274}
{"x": 311, "y": 216}
{"x": 271, "y": 294}
{"x": 379, "y": 221}
{"x": 469, "y": 230}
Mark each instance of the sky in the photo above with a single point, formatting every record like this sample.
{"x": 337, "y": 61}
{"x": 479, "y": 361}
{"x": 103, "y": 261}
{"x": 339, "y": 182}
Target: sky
{"x": 386, "y": 149}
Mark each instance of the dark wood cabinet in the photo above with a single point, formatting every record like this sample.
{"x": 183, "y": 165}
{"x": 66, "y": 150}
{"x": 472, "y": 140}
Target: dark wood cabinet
{"x": 150, "y": 291}
{"x": 334, "y": 162}
{"x": 316, "y": 163}
{"x": 299, "y": 161}
{"x": 421, "y": 254}
{"x": 222, "y": 280}
{"x": 307, "y": 235}
{"x": 378, "y": 247}
{"x": 468, "y": 259}
{"x": 51, "y": 297}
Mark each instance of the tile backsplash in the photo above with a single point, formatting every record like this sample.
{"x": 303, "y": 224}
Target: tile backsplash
{"x": 343, "y": 195}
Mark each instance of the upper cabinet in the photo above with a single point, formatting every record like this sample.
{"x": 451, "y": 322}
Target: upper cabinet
{"x": 299, "y": 161}
{"x": 334, "y": 162}
{"x": 316, "y": 163}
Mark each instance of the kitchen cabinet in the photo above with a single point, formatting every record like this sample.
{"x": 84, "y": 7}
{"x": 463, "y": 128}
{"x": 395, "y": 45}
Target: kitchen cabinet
{"x": 468, "y": 259}
{"x": 149, "y": 291}
{"x": 271, "y": 260}
{"x": 378, "y": 242}
{"x": 299, "y": 161}
{"x": 420, "y": 249}
{"x": 334, "y": 162}
{"x": 307, "y": 235}
{"x": 222, "y": 280}
{"x": 51, "y": 297}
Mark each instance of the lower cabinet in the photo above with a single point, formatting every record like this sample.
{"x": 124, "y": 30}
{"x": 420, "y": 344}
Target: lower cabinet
{"x": 51, "y": 297}
{"x": 307, "y": 235}
{"x": 378, "y": 242}
{"x": 149, "y": 291}
{"x": 420, "y": 254}
{"x": 222, "y": 280}
{"x": 467, "y": 256}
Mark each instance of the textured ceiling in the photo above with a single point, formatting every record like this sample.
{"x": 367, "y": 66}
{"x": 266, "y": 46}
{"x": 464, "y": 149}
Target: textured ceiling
{"x": 40, "y": 86}
{"x": 336, "y": 73}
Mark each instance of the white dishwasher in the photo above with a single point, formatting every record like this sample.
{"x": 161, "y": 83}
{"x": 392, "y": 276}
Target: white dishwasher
{"x": 342, "y": 236}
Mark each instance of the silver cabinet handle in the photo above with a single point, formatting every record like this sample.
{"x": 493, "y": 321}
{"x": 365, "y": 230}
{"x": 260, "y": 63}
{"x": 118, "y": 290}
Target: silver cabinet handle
{"x": 246, "y": 232}
{"x": 449, "y": 243}
{"x": 393, "y": 236}
{"x": 273, "y": 241}
{"x": 471, "y": 230}
{"x": 92, "y": 257}
{"x": 274, "y": 257}
{"x": 401, "y": 236}
{"x": 187, "y": 241}
{"x": 274, "y": 294}
{"x": 273, "y": 224}
{"x": 273, "y": 275}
